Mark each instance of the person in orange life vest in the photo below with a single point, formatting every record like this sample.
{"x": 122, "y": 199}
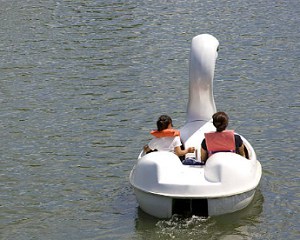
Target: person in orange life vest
{"x": 222, "y": 140}
{"x": 166, "y": 138}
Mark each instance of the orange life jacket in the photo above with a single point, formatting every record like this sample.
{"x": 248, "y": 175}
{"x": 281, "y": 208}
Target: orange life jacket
{"x": 220, "y": 142}
{"x": 169, "y": 132}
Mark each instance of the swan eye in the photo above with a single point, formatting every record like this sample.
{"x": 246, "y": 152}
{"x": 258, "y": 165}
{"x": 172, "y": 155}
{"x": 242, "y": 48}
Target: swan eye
{"x": 218, "y": 49}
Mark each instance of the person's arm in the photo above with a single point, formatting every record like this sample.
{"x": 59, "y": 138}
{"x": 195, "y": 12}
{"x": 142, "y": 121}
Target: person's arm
{"x": 147, "y": 149}
{"x": 204, "y": 155}
{"x": 179, "y": 152}
{"x": 241, "y": 146}
{"x": 242, "y": 150}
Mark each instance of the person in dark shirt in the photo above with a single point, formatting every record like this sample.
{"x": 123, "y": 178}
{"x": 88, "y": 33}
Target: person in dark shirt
{"x": 220, "y": 121}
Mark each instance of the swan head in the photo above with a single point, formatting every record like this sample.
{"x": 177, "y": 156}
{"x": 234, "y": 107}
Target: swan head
{"x": 203, "y": 56}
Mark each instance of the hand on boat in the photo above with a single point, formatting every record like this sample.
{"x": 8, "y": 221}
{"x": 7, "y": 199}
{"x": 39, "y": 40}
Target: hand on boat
{"x": 146, "y": 148}
{"x": 191, "y": 149}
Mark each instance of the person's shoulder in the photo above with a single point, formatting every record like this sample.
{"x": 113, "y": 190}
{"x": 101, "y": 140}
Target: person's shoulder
{"x": 237, "y": 136}
{"x": 203, "y": 144}
{"x": 177, "y": 138}
{"x": 238, "y": 139}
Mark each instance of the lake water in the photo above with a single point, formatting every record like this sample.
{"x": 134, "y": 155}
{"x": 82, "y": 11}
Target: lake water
{"x": 82, "y": 84}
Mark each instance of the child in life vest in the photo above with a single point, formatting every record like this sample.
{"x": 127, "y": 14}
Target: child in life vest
{"x": 222, "y": 140}
{"x": 166, "y": 138}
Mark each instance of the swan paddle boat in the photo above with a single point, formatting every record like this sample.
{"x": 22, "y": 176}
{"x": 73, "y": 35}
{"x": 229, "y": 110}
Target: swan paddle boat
{"x": 226, "y": 183}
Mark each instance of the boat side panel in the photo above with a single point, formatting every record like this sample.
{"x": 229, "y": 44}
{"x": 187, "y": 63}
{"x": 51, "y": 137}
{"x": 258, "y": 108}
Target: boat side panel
{"x": 218, "y": 206}
{"x": 155, "y": 205}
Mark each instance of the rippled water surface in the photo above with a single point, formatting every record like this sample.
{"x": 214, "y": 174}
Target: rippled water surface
{"x": 83, "y": 82}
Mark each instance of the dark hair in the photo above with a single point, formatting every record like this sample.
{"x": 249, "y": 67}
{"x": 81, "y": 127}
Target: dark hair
{"x": 163, "y": 122}
{"x": 220, "y": 121}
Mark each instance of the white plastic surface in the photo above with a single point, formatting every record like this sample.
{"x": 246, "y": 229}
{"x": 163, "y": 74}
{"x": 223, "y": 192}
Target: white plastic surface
{"x": 225, "y": 174}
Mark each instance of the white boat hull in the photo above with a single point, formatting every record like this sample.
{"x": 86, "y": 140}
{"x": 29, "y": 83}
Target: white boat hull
{"x": 164, "y": 186}
{"x": 163, "y": 206}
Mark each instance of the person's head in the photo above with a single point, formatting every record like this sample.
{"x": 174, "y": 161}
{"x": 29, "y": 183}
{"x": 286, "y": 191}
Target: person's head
{"x": 163, "y": 122}
{"x": 220, "y": 121}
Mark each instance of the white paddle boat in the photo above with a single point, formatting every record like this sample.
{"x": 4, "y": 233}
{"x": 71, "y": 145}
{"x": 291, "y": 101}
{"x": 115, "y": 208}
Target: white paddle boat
{"x": 226, "y": 183}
